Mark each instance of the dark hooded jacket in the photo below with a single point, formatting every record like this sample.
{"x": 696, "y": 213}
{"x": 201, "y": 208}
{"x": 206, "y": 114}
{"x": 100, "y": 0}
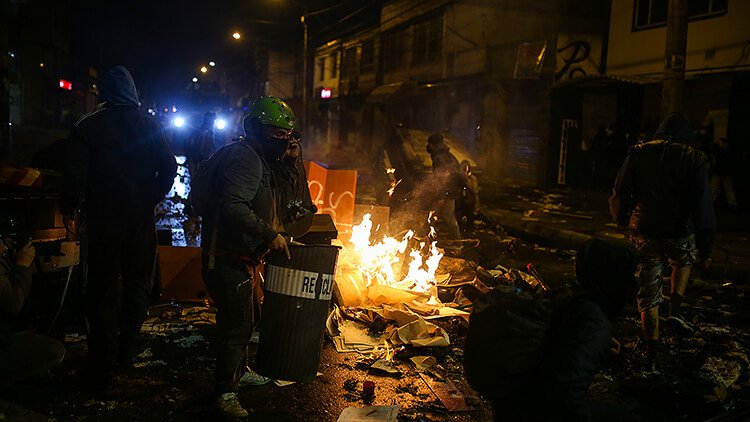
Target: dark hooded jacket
{"x": 118, "y": 162}
{"x": 242, "y": 223}
{"x": 578, "y": 338}
{"x": 568, "y": 345}
{"x": 447, "y": 178}
{"x": 663, "y": 188}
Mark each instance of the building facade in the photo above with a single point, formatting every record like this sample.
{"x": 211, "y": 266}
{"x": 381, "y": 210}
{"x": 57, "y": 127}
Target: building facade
{"x": 627, "y": 99}
{"x": 479, "y": 69}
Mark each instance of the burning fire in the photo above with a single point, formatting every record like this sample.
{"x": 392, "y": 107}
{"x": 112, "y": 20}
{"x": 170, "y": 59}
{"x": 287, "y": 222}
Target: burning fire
{"x": 383, "y": 262}
{"x": 393, "y": 187}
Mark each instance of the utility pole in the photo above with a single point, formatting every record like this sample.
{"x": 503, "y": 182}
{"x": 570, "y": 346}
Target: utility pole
{"x": 304, "y": 70}
{"x": 674, "y": 57}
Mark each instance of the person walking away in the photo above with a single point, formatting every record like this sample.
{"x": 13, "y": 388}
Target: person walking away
{"x": 240, "y": 219}
{"x": 446, "y": 184}
{"x": 722, "y": 179}
{"x": 118, "y": 168}
{"x": 662, "y": 196}
{"x": 22, "y": 354}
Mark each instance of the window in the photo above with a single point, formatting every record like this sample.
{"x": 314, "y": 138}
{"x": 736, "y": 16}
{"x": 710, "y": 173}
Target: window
{"x": 428, "y": 41}
{"x": 394, "y": 48}
{"x": 334, "y": 65}
{"x": 322, "y": 69}
{"x": 367, "y": 62}
{"x": 349, "y": 65}
{"x": 653, "y": 13}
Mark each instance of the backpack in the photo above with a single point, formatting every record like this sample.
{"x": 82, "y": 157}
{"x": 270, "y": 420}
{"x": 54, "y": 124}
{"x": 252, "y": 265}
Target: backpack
{"x": 204, "y": 184}
{"x": 504, "y": 345}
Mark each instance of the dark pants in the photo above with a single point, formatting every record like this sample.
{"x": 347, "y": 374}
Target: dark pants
{"x": 28, "y": 355}
{"x": 121, "y": 257}
{"x": 235, "y": 289}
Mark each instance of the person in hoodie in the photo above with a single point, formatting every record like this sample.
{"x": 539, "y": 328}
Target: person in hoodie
{"x": 662, "y": 194}
{"x": 535, "y": 359}
{"x": 118, "y": 167}
{"x": 237, "y": 231}
{"x": 445, "y": 184}
{"x": 579, "y": 337}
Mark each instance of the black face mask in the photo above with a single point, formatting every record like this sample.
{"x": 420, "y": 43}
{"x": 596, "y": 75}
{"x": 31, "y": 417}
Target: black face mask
{"x": 274, "y": 148}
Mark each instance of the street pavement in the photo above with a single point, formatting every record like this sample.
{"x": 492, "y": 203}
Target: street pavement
{"x": 565, "y": 218}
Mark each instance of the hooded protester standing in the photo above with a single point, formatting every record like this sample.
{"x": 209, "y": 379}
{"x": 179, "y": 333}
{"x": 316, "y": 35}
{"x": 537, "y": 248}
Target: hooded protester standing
{"x": 446, "y": 184}
{"x": 239, "y": 226}
{"x": 118, "y": 168}
{"x": 663, "y": 196}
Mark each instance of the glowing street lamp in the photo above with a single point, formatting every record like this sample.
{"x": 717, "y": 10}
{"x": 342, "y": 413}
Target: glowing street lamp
{"x": 212, "y": 63}
{"x": 204, "y": 69}
{"x": 195, "y": 80}
{"x": 236, "y": 35}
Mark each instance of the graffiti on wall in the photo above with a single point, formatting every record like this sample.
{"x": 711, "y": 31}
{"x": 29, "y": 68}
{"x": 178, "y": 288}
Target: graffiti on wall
{"x": 333, "y": 192}
{"x": 577, "y": 55}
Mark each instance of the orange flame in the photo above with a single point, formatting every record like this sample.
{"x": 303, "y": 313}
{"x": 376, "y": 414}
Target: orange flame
{"x": 382, "y": 262}
{"x": 393, "y": 187}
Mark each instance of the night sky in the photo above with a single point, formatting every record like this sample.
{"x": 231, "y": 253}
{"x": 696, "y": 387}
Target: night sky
{"x": 165, "y": 42}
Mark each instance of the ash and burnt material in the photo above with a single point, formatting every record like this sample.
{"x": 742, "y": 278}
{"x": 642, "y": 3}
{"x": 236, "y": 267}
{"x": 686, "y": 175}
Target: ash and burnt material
{"x": 297, "y": 295}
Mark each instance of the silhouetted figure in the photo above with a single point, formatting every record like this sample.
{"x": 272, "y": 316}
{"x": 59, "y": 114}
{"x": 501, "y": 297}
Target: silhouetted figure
{"x": 534, "y": 359}
{"x": 118, "y": 168}
{"x": 445, "y": 185}
{"x": 725, "y": 169}
{"x": 200, "y": 145}
{"x": 662, "y": 195}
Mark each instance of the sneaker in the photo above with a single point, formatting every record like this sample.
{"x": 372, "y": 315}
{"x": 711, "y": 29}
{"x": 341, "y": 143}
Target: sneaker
{"x": 680, "y": 325}
{"x": 252, "y": 378}
{"x": 229, "y": 406}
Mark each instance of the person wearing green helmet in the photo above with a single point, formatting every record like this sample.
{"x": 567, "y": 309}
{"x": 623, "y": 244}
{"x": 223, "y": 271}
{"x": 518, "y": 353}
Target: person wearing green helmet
{"x": 240, "y": 224}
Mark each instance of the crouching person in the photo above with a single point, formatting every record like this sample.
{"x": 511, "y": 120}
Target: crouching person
{"x": 23, "y": 354}
{"x": 534, "y": 359}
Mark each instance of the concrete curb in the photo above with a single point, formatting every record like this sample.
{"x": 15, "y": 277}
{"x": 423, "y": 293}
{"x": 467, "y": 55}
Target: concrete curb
{"x": 550, "y": 236}
{"x": 536, "y": 231}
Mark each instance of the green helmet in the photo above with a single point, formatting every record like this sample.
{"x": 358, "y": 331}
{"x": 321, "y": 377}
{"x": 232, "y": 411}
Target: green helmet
{"x": 272, "y": 111}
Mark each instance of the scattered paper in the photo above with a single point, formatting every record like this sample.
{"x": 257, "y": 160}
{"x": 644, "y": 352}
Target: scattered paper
{"x": 423, "y": 363}
{"x": 190, "y": 341}
{"x": 158, "y": 362}
{"x": 145, "y": 354}
{"x": 421, "y": 333}
{"x": 386, "y": 366}
{"x": 381, "y": 294}
{"x": 369, "y": 414}
{"x": 282, "y": 383}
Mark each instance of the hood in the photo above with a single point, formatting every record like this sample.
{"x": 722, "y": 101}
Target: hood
{"x": 435, "y": 148}
{"x": 606, "y": 272}
{"x": 676, "y": 128}
{"x": 118, "y": 87}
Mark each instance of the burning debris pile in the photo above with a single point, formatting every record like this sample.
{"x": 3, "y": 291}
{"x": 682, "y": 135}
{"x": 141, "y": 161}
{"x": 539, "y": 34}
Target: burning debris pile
{"x": 389, "y": 291}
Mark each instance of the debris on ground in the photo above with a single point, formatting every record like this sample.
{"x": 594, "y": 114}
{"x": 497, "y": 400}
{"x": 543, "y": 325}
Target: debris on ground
{"x": 369, "y": 413}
